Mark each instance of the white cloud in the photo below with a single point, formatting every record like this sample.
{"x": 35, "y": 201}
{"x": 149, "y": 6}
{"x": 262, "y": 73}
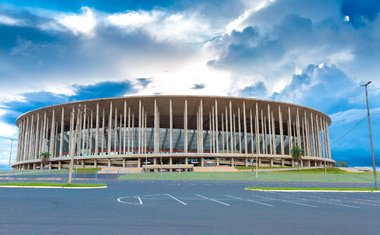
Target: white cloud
{"x": 9, "y": 20}
{"x": 133, "y": 18}
{"x": 80, "y": 23}
{"x": 351, "y": 115}
{"x": 163, "y": 26}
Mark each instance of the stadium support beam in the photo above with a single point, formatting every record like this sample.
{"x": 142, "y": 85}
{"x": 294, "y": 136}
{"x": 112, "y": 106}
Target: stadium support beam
{"x": 281, "y": 130}
{"x": 124, "y": 127}
{"x": 264, "y": 151}
{"x": 273, "y": 135}
{"x": 129, "y": 130}
{"x": 185, "y": 147}
{"x": 156, "y": 129}
{"x": 171, "y": 126}
{"x": 231, "y": 129}
{"x": 239, "y": 129}
{"x": 109, "y": 130}
{"x": 222, "y": 117}
{"x": 103, "y": 126}
{"x": 257, "y": 131}
{"x": 270, "y": 131}
{"x": 245, "y": 130}
{"x": 97, "y": 130}
{"x": 290, "y": 142}
{"x": 115, "y": 132}
{"x": 226, "y": 113}
{"x": 216, "y": 126}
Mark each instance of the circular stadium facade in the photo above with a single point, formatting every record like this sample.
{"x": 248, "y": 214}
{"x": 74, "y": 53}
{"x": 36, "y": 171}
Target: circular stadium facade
{"x": 172, "y": 133}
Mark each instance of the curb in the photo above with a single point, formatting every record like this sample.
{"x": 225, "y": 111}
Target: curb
{"x": 312, "y": 191}
{"x": 15, "y": 186}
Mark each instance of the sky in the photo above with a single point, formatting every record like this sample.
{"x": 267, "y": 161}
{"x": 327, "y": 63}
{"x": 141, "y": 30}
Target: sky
{"x": 314, "y": 53}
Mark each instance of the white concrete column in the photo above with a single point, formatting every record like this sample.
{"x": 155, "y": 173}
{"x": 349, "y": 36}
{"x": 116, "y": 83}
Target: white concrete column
{"x": 115, "y": 133}
{"x": 227, "y": 134}
{"x": 109, "y": 130}
{"x": 185, "y": 147}
{"x": 231, "y": 130}
{"x": 270, "y": 130}
{"x": 216, "y": 127}
{"x": 37, "y": 137}
{"x": 265, "y": 136}
{"x": 125, "y": 127}
{"x": 133, "y": 134}
{"x": 298, "y": 129}
{"x": 251, "y": 128}
{"x": 201, "y": 120}
{"x": 62, "y": 140}
{"x": 43, "y": 148}
{"x": 264, "y": 147}
{"x": 314, "y": 152}
{"x": 97, "y": 130}
{"x": 31, "y": 138}
{"x": 139, "y": 131}
{"x": 156, "y": 129}
{"x": 245, "y": 130}
{"x": 273, "y": 135}
{"x": 171, "y": 126}
{"x": 103, "y": 137}
{"x": 91, "y": 126}
{"x": 83, "y": 138}
{"x": 257, "y": 136}
{"x": 213, "y": 129}
{"x": 239, "y": 123}
{"x": 210, "y": 134}
{"x": 222, "y": 120}
{"x": 129, "y": 130}
{"x": 234, "y": 133}
{"x": 281, "y": 131}
{"x": 290, "y": 131}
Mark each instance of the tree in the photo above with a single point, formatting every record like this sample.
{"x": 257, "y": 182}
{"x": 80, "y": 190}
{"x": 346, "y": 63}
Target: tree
{"x": 340, "y": 164}
{"x": 297, "y": 154}
{"x": 45, "y": 158}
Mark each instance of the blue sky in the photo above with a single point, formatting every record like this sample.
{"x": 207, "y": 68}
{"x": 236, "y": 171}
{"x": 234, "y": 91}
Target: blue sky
{"x": 315, "y": 53}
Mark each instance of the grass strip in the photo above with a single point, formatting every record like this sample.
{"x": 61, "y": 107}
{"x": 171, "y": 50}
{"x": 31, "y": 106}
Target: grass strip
{"x": 315, "y": 189}
{"x": 45, "y": 184}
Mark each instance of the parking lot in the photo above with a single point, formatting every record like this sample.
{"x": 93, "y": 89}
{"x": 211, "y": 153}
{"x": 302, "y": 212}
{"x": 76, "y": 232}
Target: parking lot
{"x": 172, "y": 207}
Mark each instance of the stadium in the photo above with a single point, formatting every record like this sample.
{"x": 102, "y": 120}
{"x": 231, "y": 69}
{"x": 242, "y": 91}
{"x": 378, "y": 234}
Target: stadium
{"x": 172, "y": 133}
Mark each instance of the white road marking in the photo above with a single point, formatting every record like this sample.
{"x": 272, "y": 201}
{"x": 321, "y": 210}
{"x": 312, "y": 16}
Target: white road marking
{"x": 140, "y": 200}
{"x": 214, "y": 200}
{"x": 296, "y": 203}
{"x": 328, "y": 201}
{"x": 177, "y": 199}
{"x": 130, "y": 203}
{"x": 249, "y": 200}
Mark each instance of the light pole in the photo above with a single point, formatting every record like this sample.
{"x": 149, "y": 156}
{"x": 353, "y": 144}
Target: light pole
{"x": 10, "y": 157}
{"x": 370, "y": 135}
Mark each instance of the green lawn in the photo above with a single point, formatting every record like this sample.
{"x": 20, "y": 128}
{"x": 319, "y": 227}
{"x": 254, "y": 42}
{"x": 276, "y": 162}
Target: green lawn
{"x": 332, "y": 170}
{"x": 316, "y": 189}
{"x": 292, "y": 176}
{"x": 263, "y": 167}
{"x": 49, "y": 184}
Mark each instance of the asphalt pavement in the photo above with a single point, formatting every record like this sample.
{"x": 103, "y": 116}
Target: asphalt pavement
{"x": 186, "y": 207}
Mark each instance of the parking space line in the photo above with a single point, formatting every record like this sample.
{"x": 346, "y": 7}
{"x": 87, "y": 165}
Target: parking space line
{"x": 130, "y": 203}
{"x": 140, "y": 200}
{"x": 249, "y": 200}
{"x": 296, "y": 203}
{"x": 177, "y": 199}
{"x": 214, "y": 200}
{"x": 323, "y": 202}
